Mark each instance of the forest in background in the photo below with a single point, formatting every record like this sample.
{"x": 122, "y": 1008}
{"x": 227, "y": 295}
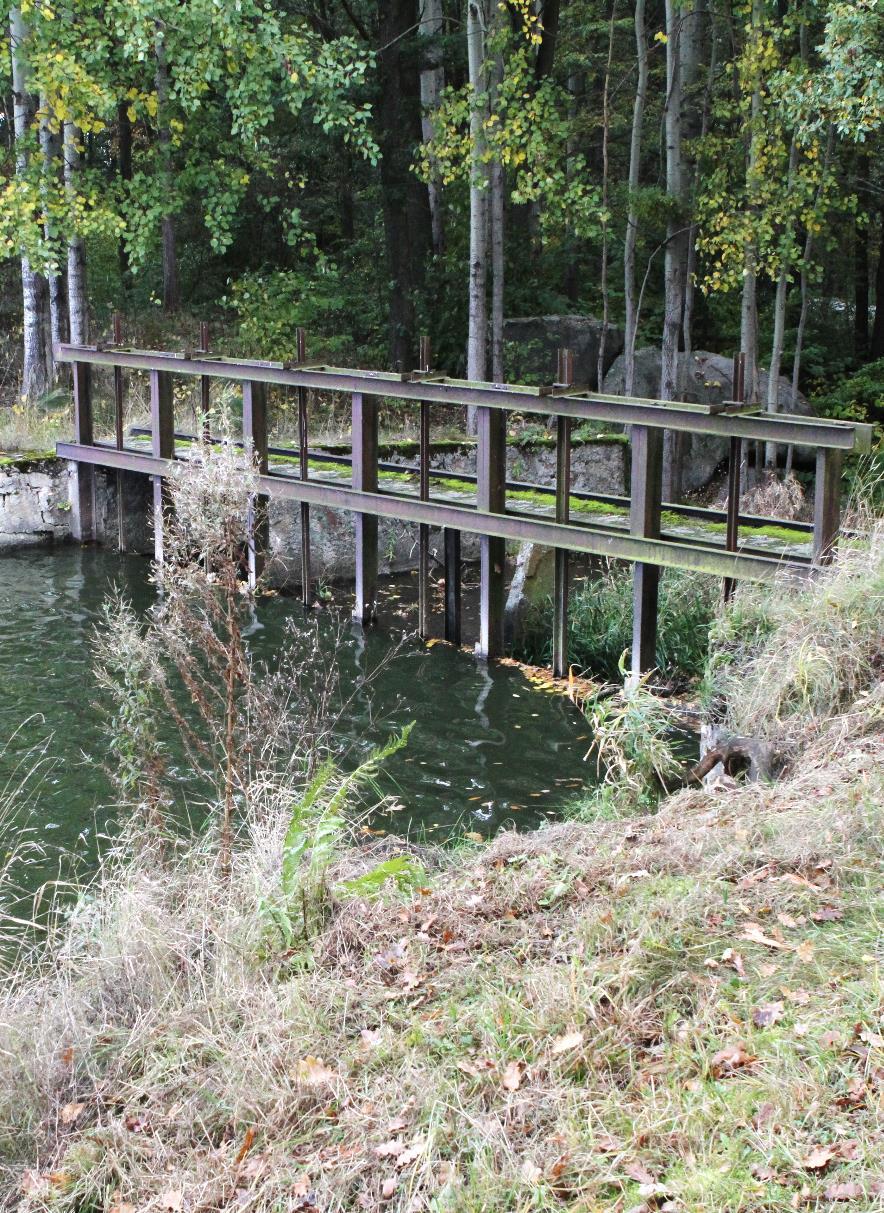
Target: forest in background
{"x": 698, "y": 175}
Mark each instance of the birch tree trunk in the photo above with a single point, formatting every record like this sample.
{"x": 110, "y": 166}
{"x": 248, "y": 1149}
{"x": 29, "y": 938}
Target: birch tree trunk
{"x": 630, "y": 286}
{"x": 78, "y": 308}
{"x": 477, "y": 323}
{"x": 749, "y": 302}
{"x": 496, "y": 217}
{"x": 432, "y": 25}
{"x": 779, "y": 328}
{"x": 50, "y": 148}
{"x": 37, "y": 366}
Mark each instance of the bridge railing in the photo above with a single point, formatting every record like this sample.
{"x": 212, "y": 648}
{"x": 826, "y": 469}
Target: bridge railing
{"x": 644, "y": 543}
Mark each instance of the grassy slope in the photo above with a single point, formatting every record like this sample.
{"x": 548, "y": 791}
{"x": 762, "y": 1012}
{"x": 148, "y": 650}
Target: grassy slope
{"x": 678, "y": 1011}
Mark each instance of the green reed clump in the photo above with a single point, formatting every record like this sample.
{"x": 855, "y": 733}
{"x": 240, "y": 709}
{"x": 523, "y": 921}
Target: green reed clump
{"x": 600, "y": 624}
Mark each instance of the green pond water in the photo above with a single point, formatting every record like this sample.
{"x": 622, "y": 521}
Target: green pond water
{"x": 488, "y": 749}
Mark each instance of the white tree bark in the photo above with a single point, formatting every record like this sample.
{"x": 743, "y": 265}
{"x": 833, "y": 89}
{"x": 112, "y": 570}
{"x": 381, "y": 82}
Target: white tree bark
{"x": 477, "y": 322}
{"x": 50, "y": 147}
{"x": 37, "y": 368}
{"x": 78, "y": 307}
{"x": 606, "y": 131}
{"x": 432, "y": 25}
{"x": 630, "y": 286}
{"x": 749, "y": 302}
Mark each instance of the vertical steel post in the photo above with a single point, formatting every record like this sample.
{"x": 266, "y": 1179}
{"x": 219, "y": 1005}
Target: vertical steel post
{"x": 826, "y": 505}
{"x": 118, "y": 435}
{"x": 83, "y": 496}
{"x": 304, "y": 470}
{"x": 732, "y": 540}
{"x": 491, "y": 499}
{"x": 205, "y": 387}
{"x": 365, "y": 480}
{"x": 644, "y": 521}
{"x": 423, "y": 564}
{"x": 564, "y": 378}
{"x": 254, "y": 434}
{"x": 451, "y": 545}
{"x": 162, "y": 434}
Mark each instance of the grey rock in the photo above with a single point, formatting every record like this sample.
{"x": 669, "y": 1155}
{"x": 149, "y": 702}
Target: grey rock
{"x": 708, "y": 380}
{"x": 533, "y": 581}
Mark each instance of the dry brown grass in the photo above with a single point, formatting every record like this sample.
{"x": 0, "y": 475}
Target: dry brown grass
{"x": 679, "y": 1011}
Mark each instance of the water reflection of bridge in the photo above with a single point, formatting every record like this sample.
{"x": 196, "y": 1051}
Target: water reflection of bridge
{"x": 643, "y": 541}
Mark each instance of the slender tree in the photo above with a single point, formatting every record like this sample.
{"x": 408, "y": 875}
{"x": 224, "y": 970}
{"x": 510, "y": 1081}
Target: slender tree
{"x": 37, "y": 365}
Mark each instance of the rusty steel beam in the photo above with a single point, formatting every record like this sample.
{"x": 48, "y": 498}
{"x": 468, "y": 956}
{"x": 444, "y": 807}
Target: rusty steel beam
{"x": 589, "y": 406}
{"x": 611, "y": 543}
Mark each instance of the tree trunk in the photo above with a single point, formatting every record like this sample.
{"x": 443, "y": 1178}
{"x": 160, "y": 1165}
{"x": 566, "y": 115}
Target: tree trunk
{"x": 675, "y": 264}
{"x": 606, "y": 132}
{"x": 37, "y": 366}
{"x": 779, "y": 327}
{"x": 496, "y": 217}
{"x": 432, "y": 26}
{"x": 861, "y": 271}
{"x": 749, "y": 302}
{"x": 876, "y": 345}
{"x": 78, "y": 307}
{"x": 171, "y": 291}
{"x": 407, "y": 226}
{"x": 124, "y": 168}
{"x": 630, "y": 287}
{"x": 477, "y": 320}
{"x": 50, "y": 148}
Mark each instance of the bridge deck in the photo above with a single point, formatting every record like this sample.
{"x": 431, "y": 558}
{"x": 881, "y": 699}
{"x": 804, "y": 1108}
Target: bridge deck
{"x": 635, "y": 529}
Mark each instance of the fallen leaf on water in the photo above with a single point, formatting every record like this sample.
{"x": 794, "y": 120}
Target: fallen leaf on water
{"x": 844, "y": 1191}
{"x": 728, "y": 1060}
{"x": 70, "y": 1112}
{"x": 766, "y": 1016}
{"x": 512, "y": 1076}
{"x": 314, "y": 1072}
{"x": 564, "y": 1044}
{"x": 818, "y": 1158}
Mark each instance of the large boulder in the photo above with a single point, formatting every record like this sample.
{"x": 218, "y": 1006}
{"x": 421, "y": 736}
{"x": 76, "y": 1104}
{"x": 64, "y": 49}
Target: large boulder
{"x": 708, "y": 380}
{"x": 533, "y": 342}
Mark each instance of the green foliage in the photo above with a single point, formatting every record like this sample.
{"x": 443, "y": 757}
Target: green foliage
{"x": 600, "y": 624}
{"x": 313, "y": 839}
{"x": 859, "y": 397}
{"x": 270, "y": 307}
{"x": 635, "y": 751}
{"x": 403, "y": 871}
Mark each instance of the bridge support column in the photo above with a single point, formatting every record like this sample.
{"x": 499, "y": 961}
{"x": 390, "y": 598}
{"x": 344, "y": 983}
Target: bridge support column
{"x": 365, "y": 479}
{"x": 491, "y": 498}
{"x": 644, "y": 521}
{"x": 423, "y": 533}
{"x": 162, "y": 440}
{"x": 451, "y": 543}
{"x": 826, "y": 504}
{"x": 304, "y": 468}
{"x": 564, "y": 378}
{"x": 254, "y": 434}
{"x": 83, "y": 492}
